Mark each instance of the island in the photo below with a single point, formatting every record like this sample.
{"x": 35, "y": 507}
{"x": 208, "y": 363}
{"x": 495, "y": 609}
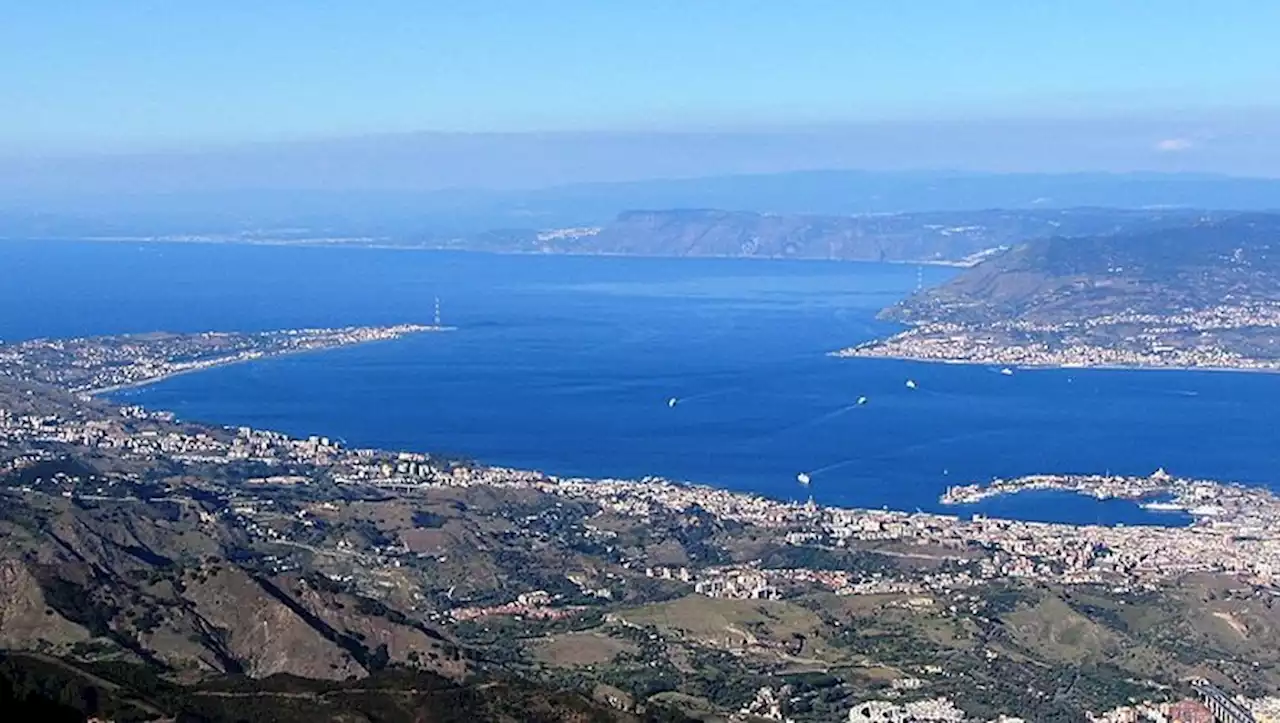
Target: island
{"x": 141, "y": 555}
{"x": 1200, "y": 296}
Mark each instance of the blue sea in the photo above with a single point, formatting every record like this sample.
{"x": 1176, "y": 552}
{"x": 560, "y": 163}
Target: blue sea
{"x": 565, "y": 364}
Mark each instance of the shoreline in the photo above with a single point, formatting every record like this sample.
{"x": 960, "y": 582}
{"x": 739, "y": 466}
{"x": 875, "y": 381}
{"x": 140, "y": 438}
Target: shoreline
{"x": 230, "y": 361}
{"x": 940, "y": 512}
{"x": 951, "y": 264}
{"x": 105, "y": 392}
{"x": 839, "y": 354}
{"x": 1201, "y": 503}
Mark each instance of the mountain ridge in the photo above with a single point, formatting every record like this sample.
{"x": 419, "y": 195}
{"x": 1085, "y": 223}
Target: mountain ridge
{"x": 1201, "y": 295}
{"x": 1206, "y": 262}
{"x": 940, "y": 237}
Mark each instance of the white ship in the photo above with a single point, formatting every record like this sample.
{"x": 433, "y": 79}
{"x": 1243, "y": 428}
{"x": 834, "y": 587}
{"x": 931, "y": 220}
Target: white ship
{"x": 1162, "y": 506}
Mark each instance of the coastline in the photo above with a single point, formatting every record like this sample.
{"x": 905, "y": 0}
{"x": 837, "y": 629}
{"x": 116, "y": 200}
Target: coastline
{"x": 840, "y": 354}
{"x": 648, "y": 486}
{"x": 232, "y": 360}
{"x": 1204, "y": 503}
{"x": 1152, "y": 503}
{"x": 103, "y": 391}
{"x": 952, "y": 264}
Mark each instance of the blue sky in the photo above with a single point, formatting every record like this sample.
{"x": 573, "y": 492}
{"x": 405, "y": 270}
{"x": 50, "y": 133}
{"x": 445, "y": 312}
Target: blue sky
{"x": 107, "y": 75}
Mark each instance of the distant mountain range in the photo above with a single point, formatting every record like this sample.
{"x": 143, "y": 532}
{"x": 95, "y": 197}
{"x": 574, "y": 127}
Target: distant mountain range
{"x": 951, "y": 237}
{"x": 111, "y": 206}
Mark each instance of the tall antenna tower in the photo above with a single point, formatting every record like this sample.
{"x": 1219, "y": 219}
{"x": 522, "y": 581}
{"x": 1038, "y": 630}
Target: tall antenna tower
{"x": 437, "y": 314}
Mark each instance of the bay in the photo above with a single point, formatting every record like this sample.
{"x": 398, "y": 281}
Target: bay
{"x": 565, "y": 364}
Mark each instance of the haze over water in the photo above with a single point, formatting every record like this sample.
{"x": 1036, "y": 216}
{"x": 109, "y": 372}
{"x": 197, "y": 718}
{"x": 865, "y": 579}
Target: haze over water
{"x": 565, "y": 364}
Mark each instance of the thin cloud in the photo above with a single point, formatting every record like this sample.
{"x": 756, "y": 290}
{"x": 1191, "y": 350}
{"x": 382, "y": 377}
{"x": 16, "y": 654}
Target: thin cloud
{"x": 1174, "y": 145}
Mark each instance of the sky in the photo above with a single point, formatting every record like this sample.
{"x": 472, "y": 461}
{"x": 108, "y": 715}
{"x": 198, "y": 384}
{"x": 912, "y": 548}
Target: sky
{"x": 137, "y": 76}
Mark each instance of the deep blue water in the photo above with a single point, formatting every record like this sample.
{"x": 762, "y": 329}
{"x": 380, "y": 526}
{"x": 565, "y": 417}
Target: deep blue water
{"x": 565, "y": 364}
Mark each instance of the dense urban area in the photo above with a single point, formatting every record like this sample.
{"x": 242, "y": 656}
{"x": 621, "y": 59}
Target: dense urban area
{"x": 1200, "y": 296}
{"x": 1199, "y": 339}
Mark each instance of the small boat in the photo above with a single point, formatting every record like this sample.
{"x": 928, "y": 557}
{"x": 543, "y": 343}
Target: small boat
{"x": 802, "y": 478}
{"x": 911, "y": 384}
{"x": 1007, "y": 372}
{"x": 672, "y": 402}
{"x": 862, "y": 401}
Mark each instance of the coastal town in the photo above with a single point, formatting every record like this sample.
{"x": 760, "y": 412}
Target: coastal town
{"x": 1234, "y": 527}
{"x": 290, "y": 499}
{"x": 1221, "y": 337}
{"x": 98, "y": 365}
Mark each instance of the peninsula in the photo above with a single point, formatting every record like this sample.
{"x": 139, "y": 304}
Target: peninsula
{"x": 1205, "y": 295}
{"x": 98, "y": 365}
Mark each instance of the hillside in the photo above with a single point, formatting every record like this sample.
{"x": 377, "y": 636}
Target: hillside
{"x": 952, "y": 237}
{"x": 39, "y": 687}
{"x": 1202, "y": 265}
{"x": 1203, "y": 294}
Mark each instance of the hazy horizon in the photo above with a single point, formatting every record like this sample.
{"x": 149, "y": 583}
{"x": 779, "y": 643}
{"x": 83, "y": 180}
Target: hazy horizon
{"x": 498, "y": 114}
{"x": 400, "y": 96}
{"x": 431, "y": 161}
